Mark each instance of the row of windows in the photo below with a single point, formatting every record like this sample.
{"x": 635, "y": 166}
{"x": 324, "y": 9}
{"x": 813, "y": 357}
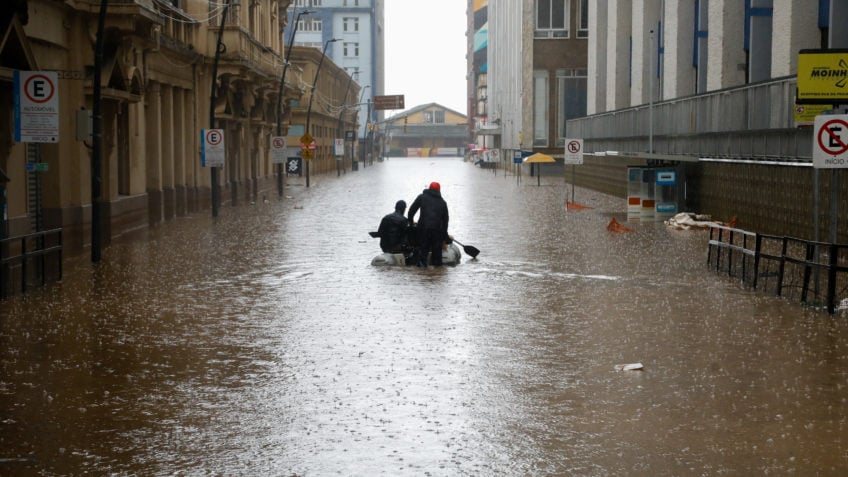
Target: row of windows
{"x": 553, "y": 18}
{"x": 434, "y": 117}
{"x": 571, "y": 93}
{"x": 351, "y": 24}
{"x": 317, "y": 3}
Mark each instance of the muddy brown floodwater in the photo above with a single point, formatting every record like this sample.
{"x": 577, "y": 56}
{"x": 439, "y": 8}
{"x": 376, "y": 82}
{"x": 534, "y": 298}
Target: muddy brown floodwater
{"x": 264, "y": 343}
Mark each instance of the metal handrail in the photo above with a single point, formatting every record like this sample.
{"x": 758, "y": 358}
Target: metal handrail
{"x": 25, "y": 255}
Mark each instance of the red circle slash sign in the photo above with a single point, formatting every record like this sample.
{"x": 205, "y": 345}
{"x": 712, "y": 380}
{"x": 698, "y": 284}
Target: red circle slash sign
{"x": 829, "y": 140}
{"x": 213, "y": 137}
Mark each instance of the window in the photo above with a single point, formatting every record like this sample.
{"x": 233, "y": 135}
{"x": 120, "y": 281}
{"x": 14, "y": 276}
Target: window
{"x": 699, "y": 60}
{"x": 552, "y": 18}
{"x": 351, "y": 3}
{"x": 434, "y": 117}
{"x": 540, "y": 108}
{"x": 571, "y": 99}
{"x": 583, "y": 19}
{"x": 351, "y": 49}
{"x": 351, "y": 24}
{"x": 307, "y": 3}
{"x": 312, "y": 24}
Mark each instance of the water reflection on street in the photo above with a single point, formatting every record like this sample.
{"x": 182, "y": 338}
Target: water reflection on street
{"x": 264, "y": 343}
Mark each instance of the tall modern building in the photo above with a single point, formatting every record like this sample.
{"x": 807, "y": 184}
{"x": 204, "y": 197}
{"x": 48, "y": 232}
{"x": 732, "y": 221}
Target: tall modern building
{"x": 357, "y": 25}
{"x": 534, "y": 76}
{"x": 714, "y": 88}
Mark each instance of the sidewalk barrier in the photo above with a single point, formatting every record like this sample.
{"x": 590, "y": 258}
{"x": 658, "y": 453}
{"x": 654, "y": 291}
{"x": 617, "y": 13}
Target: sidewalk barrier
{"x": 813, "y": 273}
{"x": 21, "y": 251}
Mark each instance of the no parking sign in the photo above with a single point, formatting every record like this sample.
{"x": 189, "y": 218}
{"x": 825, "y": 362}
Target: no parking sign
{"x": 830, "y": 141}
{"x": 36, "y": 106}
{"x": 212, "y": 153}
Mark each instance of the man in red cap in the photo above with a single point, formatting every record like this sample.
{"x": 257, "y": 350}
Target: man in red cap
{"x": 432, "y": 224}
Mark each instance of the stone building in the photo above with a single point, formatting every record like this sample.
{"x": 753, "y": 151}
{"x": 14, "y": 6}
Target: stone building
{"x": 156, "y": 85}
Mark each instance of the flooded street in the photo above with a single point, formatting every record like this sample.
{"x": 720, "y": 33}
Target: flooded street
{"x": 264, "y": 343}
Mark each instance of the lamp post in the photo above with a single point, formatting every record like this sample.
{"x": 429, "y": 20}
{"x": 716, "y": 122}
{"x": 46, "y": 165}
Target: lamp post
{"x": 212, "y": 103}
{"x": 341, "y": 113}
{"x": 280, "y": 93}
{"x": 312, "y": 94}
{"x": 358, "y": 104}
{"x": 96, "y": 138}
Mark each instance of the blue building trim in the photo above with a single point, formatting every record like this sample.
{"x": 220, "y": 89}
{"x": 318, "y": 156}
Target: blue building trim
{"x": 751, "y": 12}
{"x": 824, "y": 13}
{"x": 699, "y": 34}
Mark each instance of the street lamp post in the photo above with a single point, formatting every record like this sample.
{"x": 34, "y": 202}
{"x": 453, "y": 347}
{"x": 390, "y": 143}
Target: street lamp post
{"x": 312, "y": 94}
{"x": 356, "y": 123}
{"x": 96, "y": 139}
{"x": 280, "y": 93}
{"x": 341, "y": 113}
{"x": 214, "y": 169}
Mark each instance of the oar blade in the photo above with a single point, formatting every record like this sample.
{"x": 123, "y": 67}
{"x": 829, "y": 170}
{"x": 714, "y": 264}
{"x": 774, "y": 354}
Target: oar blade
{"x": 471, "y": 250}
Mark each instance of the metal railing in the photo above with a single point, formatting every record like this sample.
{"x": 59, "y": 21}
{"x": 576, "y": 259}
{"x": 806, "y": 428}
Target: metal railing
{"x": 754, "y": 121}
{"x": 25, "y": 251}
{"x": 813, "y": 273}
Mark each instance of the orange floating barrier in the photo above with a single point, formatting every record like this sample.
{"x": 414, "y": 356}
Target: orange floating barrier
{"x": 575, "y": 206}
{"x": 732, "y": 222}
{"x": 615, "y": 227}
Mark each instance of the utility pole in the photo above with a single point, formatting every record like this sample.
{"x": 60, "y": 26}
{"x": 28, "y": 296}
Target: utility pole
{"x": 312, "y": 94}
{"x": 97, "y": 140}
{"x": 281, "y": 92}
{"x": 212, "y": 103}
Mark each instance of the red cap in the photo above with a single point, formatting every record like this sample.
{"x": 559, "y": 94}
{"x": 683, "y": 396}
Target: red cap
{"x": 435, "y": 186}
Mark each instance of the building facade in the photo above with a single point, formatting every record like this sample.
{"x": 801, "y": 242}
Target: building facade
{"x": 358, "y": 26}
{"x": 426, "y": 130}
{"x": 709, "y": 87}
{"x": 157, "y": 79}
{"x": 535, "y": 74}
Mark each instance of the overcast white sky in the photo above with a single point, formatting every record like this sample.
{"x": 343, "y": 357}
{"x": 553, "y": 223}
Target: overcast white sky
{"x": 425, "y": 52}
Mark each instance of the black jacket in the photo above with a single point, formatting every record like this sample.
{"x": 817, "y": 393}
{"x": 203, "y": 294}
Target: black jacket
{"x": 434, "y": 211}
{"x": 392, "y": 232}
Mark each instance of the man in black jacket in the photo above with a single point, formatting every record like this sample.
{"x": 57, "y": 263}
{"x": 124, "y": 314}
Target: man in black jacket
{"x": 393, "y": 230}
{"x": 432, "y": 224}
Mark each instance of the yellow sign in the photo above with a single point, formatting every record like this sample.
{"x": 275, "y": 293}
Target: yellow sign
{"x": 306, "y": 139}
{"x": 307, "y": 154}
{"x": 805, "y": 114}
{"x": 822, "y": 76}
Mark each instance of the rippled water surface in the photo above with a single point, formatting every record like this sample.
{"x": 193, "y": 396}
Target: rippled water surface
{"x": 264, "y": 343}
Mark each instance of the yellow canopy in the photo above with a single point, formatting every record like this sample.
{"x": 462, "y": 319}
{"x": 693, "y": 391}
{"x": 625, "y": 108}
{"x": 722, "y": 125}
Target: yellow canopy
{"x": 539, "y": 157}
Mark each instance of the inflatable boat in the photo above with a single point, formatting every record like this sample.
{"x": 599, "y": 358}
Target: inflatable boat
{"x": 451, "y": 255}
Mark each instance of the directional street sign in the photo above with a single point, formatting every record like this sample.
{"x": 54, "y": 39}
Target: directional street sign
{"x": 388, "y": 102}
{"x": 306, "y": 139}
{"x": 307, "y": 154}
{"x": 830, "y": 142}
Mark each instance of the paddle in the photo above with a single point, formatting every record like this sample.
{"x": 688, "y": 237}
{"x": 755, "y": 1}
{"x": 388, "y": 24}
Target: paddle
{"x": 470, "y": 250}
{"x": 374, "y": 234}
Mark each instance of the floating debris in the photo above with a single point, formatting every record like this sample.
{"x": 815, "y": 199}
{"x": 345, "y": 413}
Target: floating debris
{"x": 629, "y": 367}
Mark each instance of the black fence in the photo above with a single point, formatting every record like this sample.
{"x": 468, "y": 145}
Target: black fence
{"x": 812, "y": 273}
{"x": 27, "y": 259}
